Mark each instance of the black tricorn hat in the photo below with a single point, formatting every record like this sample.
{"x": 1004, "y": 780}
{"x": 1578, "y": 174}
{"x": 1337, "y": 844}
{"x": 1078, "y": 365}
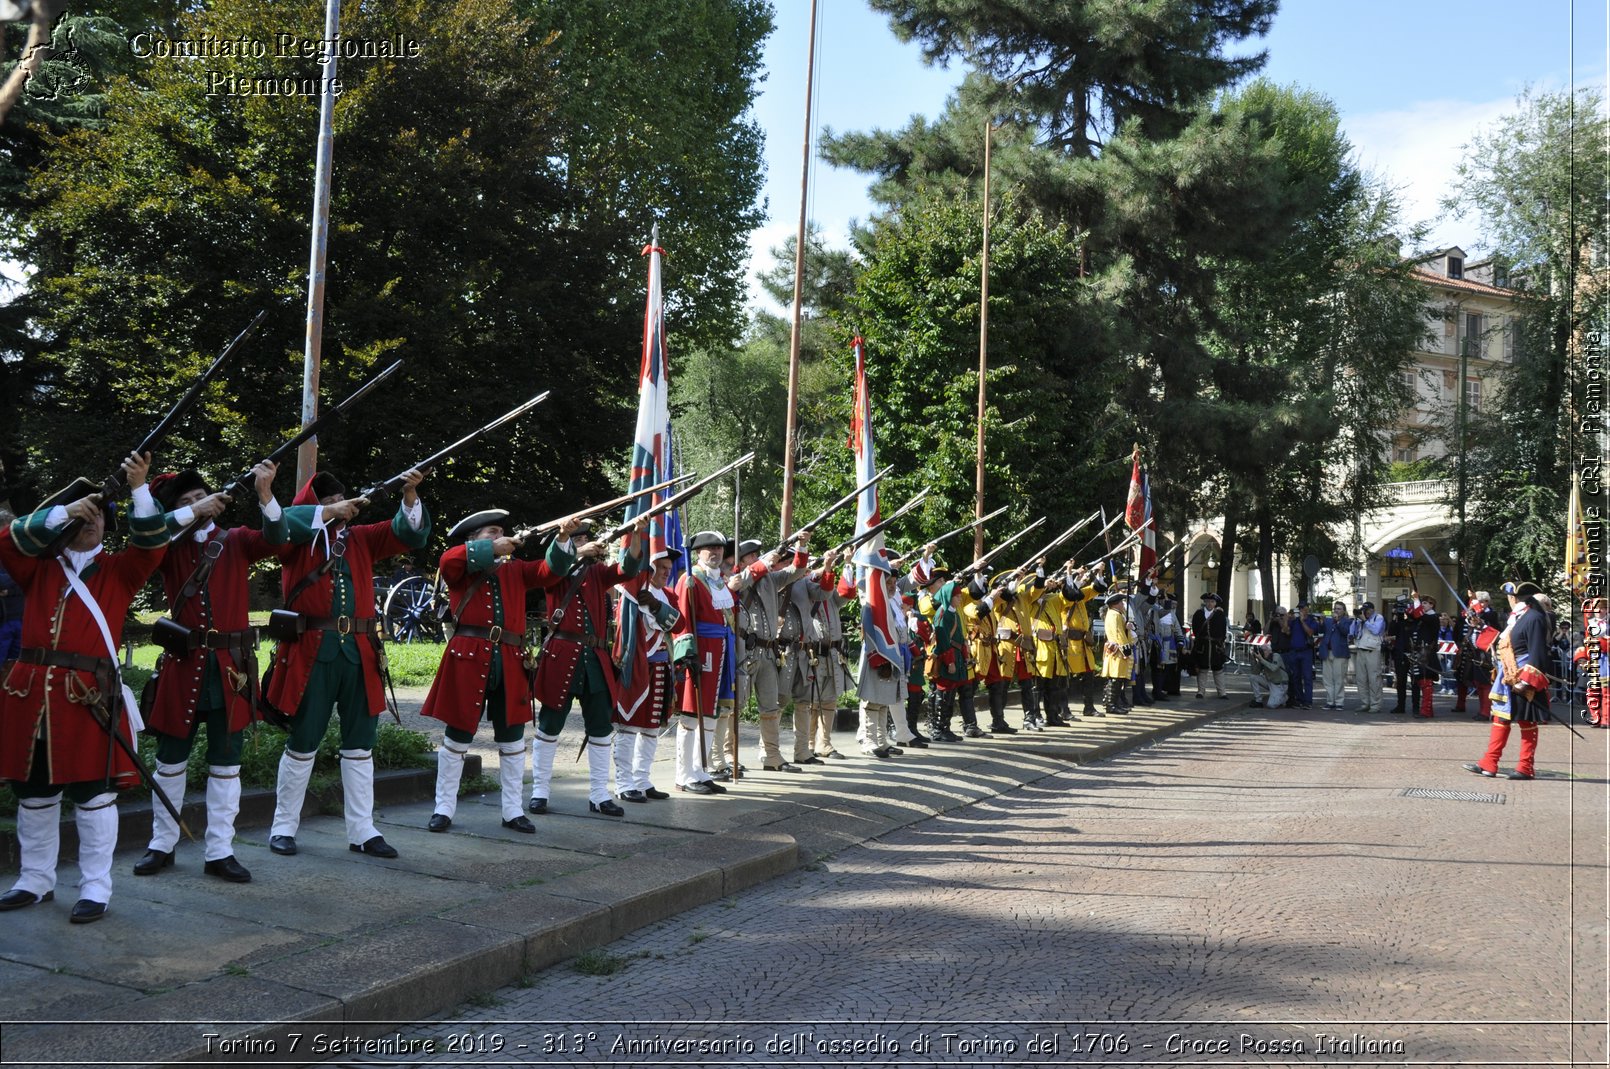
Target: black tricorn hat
{"x": 708, "y": 540}
{"x": 170, "y": 487}
{"x": 748, "y": 546}
{"x": 475, "y": 521}
{"x": 326, "y": 485}
{"x": 73, "y": 491}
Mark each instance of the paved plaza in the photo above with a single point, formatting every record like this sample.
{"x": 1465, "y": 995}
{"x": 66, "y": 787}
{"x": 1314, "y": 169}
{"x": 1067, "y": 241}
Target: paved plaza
{"x": 1258, "y": 890}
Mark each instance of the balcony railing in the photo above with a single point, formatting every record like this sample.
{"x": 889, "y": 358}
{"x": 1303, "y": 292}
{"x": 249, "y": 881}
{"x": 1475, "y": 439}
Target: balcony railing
{"x": 1418, "y": 492}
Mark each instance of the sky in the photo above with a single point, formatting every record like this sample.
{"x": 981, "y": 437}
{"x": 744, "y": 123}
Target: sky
{"x": 1413, "y": 80}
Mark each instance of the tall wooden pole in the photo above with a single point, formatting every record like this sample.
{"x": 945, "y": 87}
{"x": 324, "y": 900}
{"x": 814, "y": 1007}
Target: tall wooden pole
{"x": 983, "y": 349}
{"x": 307, "y": 456}
{"x": 791, "y": 442}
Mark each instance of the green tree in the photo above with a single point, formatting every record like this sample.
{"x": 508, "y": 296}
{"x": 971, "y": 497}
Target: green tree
{"x": 1536, "y": 184}
{"x": 457, "y": 242}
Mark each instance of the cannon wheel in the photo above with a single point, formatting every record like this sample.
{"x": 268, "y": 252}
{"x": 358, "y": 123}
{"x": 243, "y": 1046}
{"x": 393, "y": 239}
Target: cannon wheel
{"x": 411, "y": 610}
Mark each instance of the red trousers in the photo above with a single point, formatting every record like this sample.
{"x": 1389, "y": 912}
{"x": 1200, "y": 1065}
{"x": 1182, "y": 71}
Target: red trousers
{"x": 1500, "y": 736}
{"x": 1599, "y": 706}
{"x": 1425, "y": 698}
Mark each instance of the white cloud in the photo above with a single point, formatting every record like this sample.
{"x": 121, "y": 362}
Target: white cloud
{"x": 1416, "y": 150}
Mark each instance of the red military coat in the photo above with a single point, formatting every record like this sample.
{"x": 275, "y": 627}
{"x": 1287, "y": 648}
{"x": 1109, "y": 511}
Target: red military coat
{"x": 457, "y": 694}
{"x": 366, "y": 543}
{"x": 219, "y": 606}
{"x": 587, "y": 613}
{"x": 46, "y": 702}
{"x": 696, "y": 602}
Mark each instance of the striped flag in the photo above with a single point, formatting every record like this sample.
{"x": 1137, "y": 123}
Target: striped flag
{"x": 877, "y": 624}
{"x": 653, "y": 457}
{"x": 1138, "y": 515}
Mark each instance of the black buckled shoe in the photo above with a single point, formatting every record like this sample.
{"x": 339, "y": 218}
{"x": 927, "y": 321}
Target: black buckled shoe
{"x": 634, "y": 796}
{"x": 916, "y": 742}
{"x": 537, "y": 805}
{"x": 86, "y": 911}
{"x": 721, "y": 775}
{"x": 656, "y": 795}
{"x": 153, "y": 862}
{"x": 439, "y": 822}
{"x": 282, "y": 844}
{"x": 1003, "y": 728}
{"x": 1520, "y": 775}
{"x": 1478, "y": 770}
{"x": 375, "y": 847}
{"x": 786, "y": 766}
{"x": 698, "y": 786}
{"x": 973, "y": 731}
{"x": 520, "y": 824}
{"x": 17, "y": 899}
{"x": 227, "y": 868}
{"x": 606, "y": 807}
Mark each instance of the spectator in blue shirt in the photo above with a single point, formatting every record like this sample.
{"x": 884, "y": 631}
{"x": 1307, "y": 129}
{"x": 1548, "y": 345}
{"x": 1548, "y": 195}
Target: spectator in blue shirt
{"x": 1300, "y": 658}
{"x": 1337, "y": 632}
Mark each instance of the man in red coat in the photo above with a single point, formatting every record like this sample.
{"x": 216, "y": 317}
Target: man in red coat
{"x": 576, "y": 664}
{"x": 209, "y": 675}
{"x": 647, "y": 691}
{"x": 334, "y": 659}
{"x": 62, "y": 697}
{"x": 705, "y": 647}
{"x": 483, "y": 668}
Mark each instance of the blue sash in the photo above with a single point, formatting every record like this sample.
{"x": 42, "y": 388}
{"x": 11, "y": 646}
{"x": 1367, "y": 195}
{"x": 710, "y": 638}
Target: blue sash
{"x": 704, "y": 629}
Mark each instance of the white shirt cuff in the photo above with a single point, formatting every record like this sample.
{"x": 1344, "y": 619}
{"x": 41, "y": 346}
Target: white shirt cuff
{"x": 272, "y": 510}
{"x": 184, "y": 515}
{"x": 56, "y": 517}
{"x": 320, "y": 520}
{"x": 414, "y": 514}
{"x": 144, "y": 503}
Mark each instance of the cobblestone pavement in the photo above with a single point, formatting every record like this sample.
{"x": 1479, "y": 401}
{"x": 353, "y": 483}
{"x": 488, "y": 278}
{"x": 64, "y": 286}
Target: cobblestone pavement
{"x": 1229, "y": 896}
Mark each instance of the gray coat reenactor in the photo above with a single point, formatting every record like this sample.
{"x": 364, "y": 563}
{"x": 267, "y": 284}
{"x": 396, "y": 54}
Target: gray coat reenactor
{"x": 880, "y": 675}
{"x": 762, "y": 650}
{"x": 812, "y": 620}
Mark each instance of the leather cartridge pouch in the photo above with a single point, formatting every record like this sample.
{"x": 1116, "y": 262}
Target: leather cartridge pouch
{"x": 285, "y": 625}
{"x": 175, "y": 638}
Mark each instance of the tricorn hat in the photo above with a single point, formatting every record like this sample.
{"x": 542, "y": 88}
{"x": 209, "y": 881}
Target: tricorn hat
{"x": 169, "y": 487}
{"x": 748, "y": 546}
{"x": 707, "y": 540}
{"x": 73, "y": 491}
{"x": 1211, "y": 596}
{"x": 1116, "y": 599}
{"x": 668, "y": 553}
{"x": 477, "y": 520}
{"x": 1527, "y": 589}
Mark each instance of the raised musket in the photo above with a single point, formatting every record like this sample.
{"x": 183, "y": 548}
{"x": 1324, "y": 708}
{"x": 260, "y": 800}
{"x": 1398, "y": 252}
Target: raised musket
{"x": 244, "y": 483}
{"x": 952, "y": 534}
{"x": 673, "y": 501}
{"x": 545, "y": 526}
{"x": 378, "y": 490}
{"x": 116, "y": 483}
{"x": 857, "y": 539}
{"x": 1055, "y": 542}
{"x": 834, "y": 507}
{"x": 986, "y": 558}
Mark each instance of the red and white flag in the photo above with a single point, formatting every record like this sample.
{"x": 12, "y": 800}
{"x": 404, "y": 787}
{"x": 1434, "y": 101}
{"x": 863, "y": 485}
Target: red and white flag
{"x": 877, "y": 614}
{"x": 1138, "y": 515}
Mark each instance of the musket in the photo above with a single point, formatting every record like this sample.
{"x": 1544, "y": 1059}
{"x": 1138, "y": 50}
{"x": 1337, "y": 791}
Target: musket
{"x": 855, "y": 540}
{"x": 671, "y": 502}
{"x": 244, "y": 483}
{"x": 1100, "y": 533}
{"x": 834, "y": 507}
{"x": 952, "y": 534}
{"x": 545, "y": 526}
{"x": 986, "y": 558}
{"x": 737, "y": 509}
{"x": 117, "y": 482}
{"x": 1057, "y": 541}
{"x": 369, "y": 495}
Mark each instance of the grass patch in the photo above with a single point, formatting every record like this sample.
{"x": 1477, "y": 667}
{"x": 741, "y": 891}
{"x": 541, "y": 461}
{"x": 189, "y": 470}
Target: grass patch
{"x": 599, "y": 963}
{"x": 235, "y": 969}
{"x": 484, "y": 1001}
{"x": 413, "y": 664}
{"x": 480, "y": 783}
{"x": 697, "y": 936}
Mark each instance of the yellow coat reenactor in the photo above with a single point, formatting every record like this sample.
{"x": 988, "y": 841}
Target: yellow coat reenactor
{"x": 1084, "y": 663}
{"x": 1022, "y": 655}
{"x": 1060, "y": 626}
{"x": 985, "y": 633}
{"x": 1118, "y": 661}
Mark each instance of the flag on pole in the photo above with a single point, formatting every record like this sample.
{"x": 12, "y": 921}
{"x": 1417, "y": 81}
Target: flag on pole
{"x": 877, "y": 623}
{"x": 1138, "y": 516}
{"x": 653, "y": 455}
{"x": 1576, "y": 541}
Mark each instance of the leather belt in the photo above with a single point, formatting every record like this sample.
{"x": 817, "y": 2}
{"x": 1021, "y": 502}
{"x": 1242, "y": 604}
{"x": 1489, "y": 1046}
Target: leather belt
{"x": 775, "y": 644}
{"x": 496, "y": 633}
{"x": 581, "y": 640}
{"x": 345, "y": 625}
{"x": 63, "y": 659}
{"x": 241, "y": 642}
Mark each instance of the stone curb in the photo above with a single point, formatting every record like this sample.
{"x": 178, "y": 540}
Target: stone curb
{"x": 331, "y": 997}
